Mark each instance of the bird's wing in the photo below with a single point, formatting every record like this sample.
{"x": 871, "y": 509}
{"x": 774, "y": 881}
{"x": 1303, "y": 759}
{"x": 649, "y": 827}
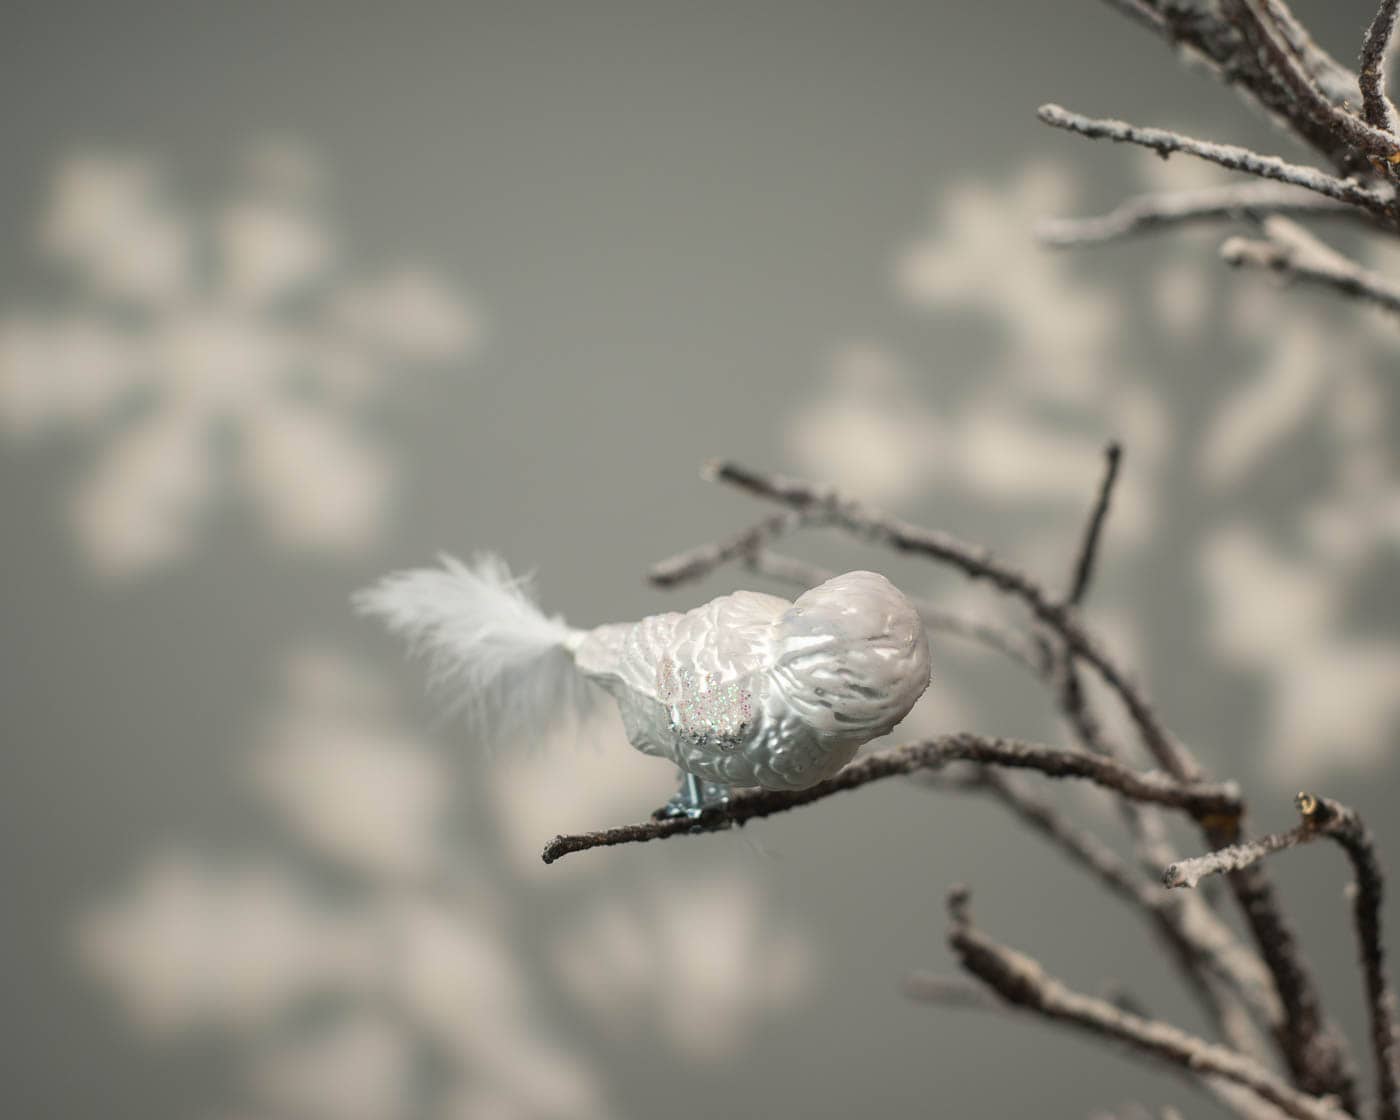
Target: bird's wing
{"x": 727, "y": 638}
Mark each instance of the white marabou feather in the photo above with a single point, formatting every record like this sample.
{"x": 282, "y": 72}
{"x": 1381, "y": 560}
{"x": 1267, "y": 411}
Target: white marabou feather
{"x": 498, "y": 659}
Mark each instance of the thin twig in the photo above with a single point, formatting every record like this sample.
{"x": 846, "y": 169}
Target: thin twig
{"x": 699, "y": 562}
{"x": 1230, "y": 156}
{"x": 1072, "y": 699}
{"x": 1022, "y": 981}
{"x": 1257, "y": 20}
{"x": 1290, "y": 251}
{"x": 1199, "y": 800}
{"x": 1150, "y": 212}
{"x": 1204, "y": 946}
{"x": 1199, "y": 951}
{"x": 959, "y": 991}
{"x": 1345, "y": 826}
{"x": 1213, "y": 42}
{"x": 1189, "y": 872}
{"x": 949, "y": 991}
{"x": 1093, "y": 530}
{"x": 1380, "y": 113}
{"x": 1140, "y": 11}
{"x": 1336, "y": 82}
{"x": 962, "y": 993}
{"x": 1323, "y": 817}
{"x": 1082, "y": 846}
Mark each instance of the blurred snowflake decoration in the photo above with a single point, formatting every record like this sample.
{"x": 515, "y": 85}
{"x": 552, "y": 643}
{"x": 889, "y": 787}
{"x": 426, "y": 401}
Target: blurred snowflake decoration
{"x": 1022, "y": 429}
{"x": 1330, "y": 702}
{"x": 694, "y": 962}
{"x": 370, "y": 958}
{"x": 223, "y": 347}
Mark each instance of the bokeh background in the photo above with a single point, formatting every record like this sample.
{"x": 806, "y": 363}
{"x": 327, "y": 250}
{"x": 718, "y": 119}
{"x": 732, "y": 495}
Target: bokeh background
{"x": 295, "y": 294}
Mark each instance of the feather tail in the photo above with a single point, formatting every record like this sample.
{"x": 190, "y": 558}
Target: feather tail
{"x": 503, "y": 664}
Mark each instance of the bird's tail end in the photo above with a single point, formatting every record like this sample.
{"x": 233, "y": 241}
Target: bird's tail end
{"x": 504, "y": 665}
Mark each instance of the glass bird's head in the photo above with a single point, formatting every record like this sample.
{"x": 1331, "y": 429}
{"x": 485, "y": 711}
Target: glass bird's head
{"x": 852, "y": 656}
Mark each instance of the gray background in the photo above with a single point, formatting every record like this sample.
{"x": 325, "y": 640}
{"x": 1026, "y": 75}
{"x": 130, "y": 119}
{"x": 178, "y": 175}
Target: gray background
{"x": 669, "y": 217}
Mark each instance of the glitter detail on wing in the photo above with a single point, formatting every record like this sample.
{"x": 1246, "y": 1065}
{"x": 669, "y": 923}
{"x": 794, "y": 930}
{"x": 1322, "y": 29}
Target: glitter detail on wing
{"x": 703, "y": 707}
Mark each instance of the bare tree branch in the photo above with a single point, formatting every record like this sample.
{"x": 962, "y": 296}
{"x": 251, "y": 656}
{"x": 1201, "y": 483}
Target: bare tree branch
{"x": 1226, "y": 155}
{"x": 1081, "y": 845}
{"x": 1189, "y": 872}
{"x": 1023, "y": 982}
{"x": 1213, "y": 947}
{"x": 699, "y": 562}
{"x": 1333, "y": 79}
{"x": 1261, "y": 49}
{"x": 1290, "y": 251}
{"x": 1380, "y": 113}
{"x": 1072, "y": 700}
{"x": 1257, "y": 20}
{"x": 1213, "y": 42}
{"x": 1199, "y": 800}
{"x": 1141, "y": 11}
{"x": 959, "y": 992}
{"x": 1199, "y": 951}
{"x": 1345, "y": 826}
{"x": 950, "y": 991}
{"x": 1316, "y": 1055}
{"x": 1202, "y": 946}
{"x": 1150, "y": 212}
{"x": 1205, "y": 948}
{"x": 1311, "y": 1048}
{"x": 1093, "y": 530}
{"x": 1323, "y": 817}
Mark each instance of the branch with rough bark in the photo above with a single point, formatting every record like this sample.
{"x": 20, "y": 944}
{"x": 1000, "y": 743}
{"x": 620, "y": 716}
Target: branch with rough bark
{"x": 1229, "y": 156}
{"x": 1294, "y": 255}
{"x": 744, "y": 544}
{"x": 1242, "y": 992}
{"x": 1198, "y": 800}
{"x": 1093, "y": 529}
{"x": 1323, "y": 818}
{"x": 1150, "y": 213}
{"x": 962, "y": 993}
{"x": 1263, "y": 50}
{"x": 1023, "y": 982}
{"x": 1202, "y": 946}
{"x": 1380, "y": 113}
{"x": 1259, "y": 21}
{"x": 1307, "y": 1043}
{"x": 1229, "y": 983}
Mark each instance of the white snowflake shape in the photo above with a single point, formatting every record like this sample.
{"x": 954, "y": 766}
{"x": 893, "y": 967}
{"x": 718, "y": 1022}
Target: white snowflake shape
{"x": 980, "y": 256}
{"x": 1026, "y": 431}
{"x": 213, "y": 347}
{"x": 1330, "y": 700}
{"x": 697, "y": 961}
{"x": 411, "y": 946}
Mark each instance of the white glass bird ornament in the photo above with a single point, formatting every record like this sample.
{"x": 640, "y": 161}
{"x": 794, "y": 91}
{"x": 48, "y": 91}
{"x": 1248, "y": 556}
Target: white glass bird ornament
{"x": 747, "y": 690}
